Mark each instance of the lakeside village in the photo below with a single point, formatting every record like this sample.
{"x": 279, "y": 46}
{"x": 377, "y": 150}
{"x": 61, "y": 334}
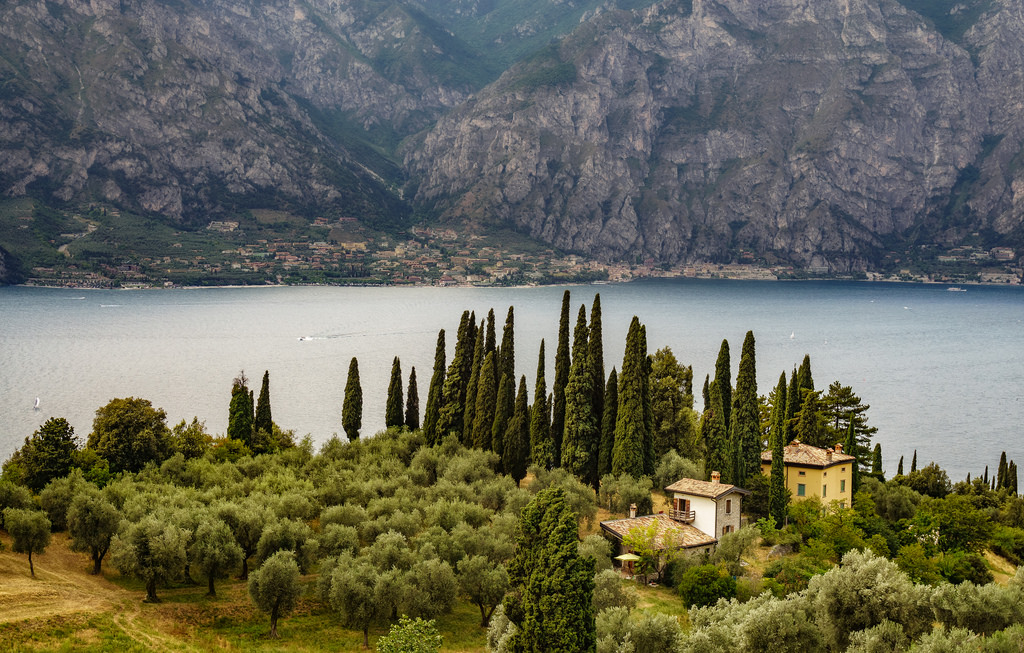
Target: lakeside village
{"x": 343, "y": 253}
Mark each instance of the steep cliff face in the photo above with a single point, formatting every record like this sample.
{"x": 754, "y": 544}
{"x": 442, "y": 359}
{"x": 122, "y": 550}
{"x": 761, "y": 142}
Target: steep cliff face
{"x": 809, "y": 132}
{"x": 188, "y": 108}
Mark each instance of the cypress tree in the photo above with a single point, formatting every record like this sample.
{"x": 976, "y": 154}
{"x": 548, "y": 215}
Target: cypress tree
{"x": 794, "y": 399}
{"x": 628, "y": 448}
{"x": 716, "y": 444}
{"x": 434, "y": 393}
{"x": 746, "y": 421}
{"x": 596, "y": 353}
{"x": 540, "y": 427}
{"x": 650, "y": 462}
{"x": 777, "y": 499}
{"x": 412, "y": 403}
{"x": 562, "y": 363}
{"x": 706, "y": 393}
{"x": 352, "y": 409}
{"x": 913, "y": 462}
{"x": 393, "y": 408}
{"x": 803, "y": 376}
{"x": 456, "y": 382}
{"x": 263, "y": 420}
{"x": 240, "y": 414}
{"x": 580, "y": 442}
{"x": 508, "y": 349}
{"x": 985, "y": 478}
{"x": 486, "y": 397}
{"x": 810, "y": 425}
{"x": 899, "y": 467}
{"x": 474, "y": 382}
{"x": 1011, "y": 480}
{"x": 723, "y": 377}
{"x": 503, "y": 409}
{"x": 851, "y": 448}
{"x": 517, "y": 436}
{"x": 611, "y": 409}
{"x": 490, "y": 341}
{"x": 876, "y": 463}
{"x": 550, "y": 585}
{"x": 1000, "y": 471}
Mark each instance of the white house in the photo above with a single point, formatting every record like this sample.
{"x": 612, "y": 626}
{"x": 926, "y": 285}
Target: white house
{"x": 710, "y": 506}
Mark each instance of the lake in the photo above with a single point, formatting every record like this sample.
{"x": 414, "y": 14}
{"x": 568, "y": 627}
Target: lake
{"x": 943, "y": 371}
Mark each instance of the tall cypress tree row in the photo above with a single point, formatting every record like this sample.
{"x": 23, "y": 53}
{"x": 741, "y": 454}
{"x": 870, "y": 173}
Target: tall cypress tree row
{"x": 851, "y": 449}
{"x": 596, "y": 354}
{"x": 562, "y": 363}
{"x": 456, "y": 382}
{"x": 352, "y": 409}
{"x": 503, "y": 409}
{"x": 490, "y": 340}
{"x": 240, "y": 413}
{"x": 777, "y": 498}
{"x": 434, "y": 393}
{"x": 650, "y": 462}
{"x": 508, "y": 349}
{"x": 412, "y": 403}
{"x": 723, "y": 377}
{"x": 746, "y": 421}
{"x": 611, "y": 409}
{"x": 717, "y": 456}
{"x": 486, "y": 396}
{"x": 630, "y": 439}
{"x": 263, "y": 420}
{"x": 394, "y": 406}
{"x": 580, "y": 442}
{"x": 474, "y": 382}
{"x": 540, "y": 428}
{"x": 550, "y": 598}
{"x": 517, "y": 436}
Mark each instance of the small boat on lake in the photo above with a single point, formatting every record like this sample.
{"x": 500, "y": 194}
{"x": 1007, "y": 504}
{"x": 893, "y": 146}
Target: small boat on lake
{"x": 956, "y": 289}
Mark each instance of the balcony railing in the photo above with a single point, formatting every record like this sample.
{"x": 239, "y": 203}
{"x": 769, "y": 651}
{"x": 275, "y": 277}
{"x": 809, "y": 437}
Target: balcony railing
{"x": 685, "y": 516}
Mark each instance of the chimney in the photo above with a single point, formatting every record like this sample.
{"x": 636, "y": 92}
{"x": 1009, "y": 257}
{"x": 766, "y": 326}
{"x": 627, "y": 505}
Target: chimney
{"x": 828, "y": 455}
{"x": 839, "y": 448}
{"x": 632, "y": 511}
{"x": 716, "y": 477}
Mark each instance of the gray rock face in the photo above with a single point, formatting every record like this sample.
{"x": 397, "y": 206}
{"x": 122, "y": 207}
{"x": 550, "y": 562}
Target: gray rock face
{"x": 809, "y": 132}
{"x": 185, "y": 108}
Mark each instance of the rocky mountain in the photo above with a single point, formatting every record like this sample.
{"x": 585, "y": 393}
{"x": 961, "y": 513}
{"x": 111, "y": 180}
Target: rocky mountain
{"x": 817, "y": 133}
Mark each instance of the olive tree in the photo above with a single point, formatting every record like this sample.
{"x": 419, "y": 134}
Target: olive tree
{"x": 213, "y": 551}
{"x": 152, "y": 550}
{"x": 484, "y": 583}
{"x": 275, "y": 588}
{"x": 92, "y": 523}
{"x": 30, "y": 531}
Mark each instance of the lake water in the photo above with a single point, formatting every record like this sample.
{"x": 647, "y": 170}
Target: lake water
{"x": 943, "y": 371}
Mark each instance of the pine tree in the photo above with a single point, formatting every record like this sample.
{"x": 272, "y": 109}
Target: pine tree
{"x": 434, "y": 393}
{"x": 580, "y": 442}
{"x": 913, "y": 462}
{"x": 899, "y": 467}
{"x": 412, "y": 403}
{"x": 486, "y": 398}
{"x": 611, "y": 409}
{"x": 596, "y": 353}
{"x": 809, "y": 425}
{"x": 842, "y": 406}
{"x": 240, "y": 413}
{"x": 263, "y": 420}
{"x": 393, "y": 411}
{"x": 723, "y": 377}
{"x": 851, "y": 448}
{"x": 716, "y": 446}
{"x": 474, "y": 383}
{"x": 551, "y": 585}
{"x": 508, "y": 348}
{"x": 503, "y": 409}
{"x": 746, "y": 423}
{"x": 540, "y": 428}
{"x": 456, "y": 382}
{"x": 630, "y": 439}
{"x": 876, "y": 463}
{"x": 352, "y": 409}
{"x": 562, "y": 364}
{"x": 517, "y": 436}
{"x": 777, "y": 498}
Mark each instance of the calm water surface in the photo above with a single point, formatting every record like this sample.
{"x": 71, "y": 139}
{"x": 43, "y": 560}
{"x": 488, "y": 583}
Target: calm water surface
{"x": 942, "y": 371}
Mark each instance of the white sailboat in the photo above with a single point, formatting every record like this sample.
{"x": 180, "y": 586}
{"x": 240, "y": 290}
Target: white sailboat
{"x": 36, "y": 406}
{"x": 792, "y": 335}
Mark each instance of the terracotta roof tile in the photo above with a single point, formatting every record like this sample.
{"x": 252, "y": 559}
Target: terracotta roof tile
{"x": 703, "y": 488}
{"x": 669, "y": 531}
{"x": 798, "y": 453}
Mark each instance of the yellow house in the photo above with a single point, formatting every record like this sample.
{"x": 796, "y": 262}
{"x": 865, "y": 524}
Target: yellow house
{"x": 815, "y": 472}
